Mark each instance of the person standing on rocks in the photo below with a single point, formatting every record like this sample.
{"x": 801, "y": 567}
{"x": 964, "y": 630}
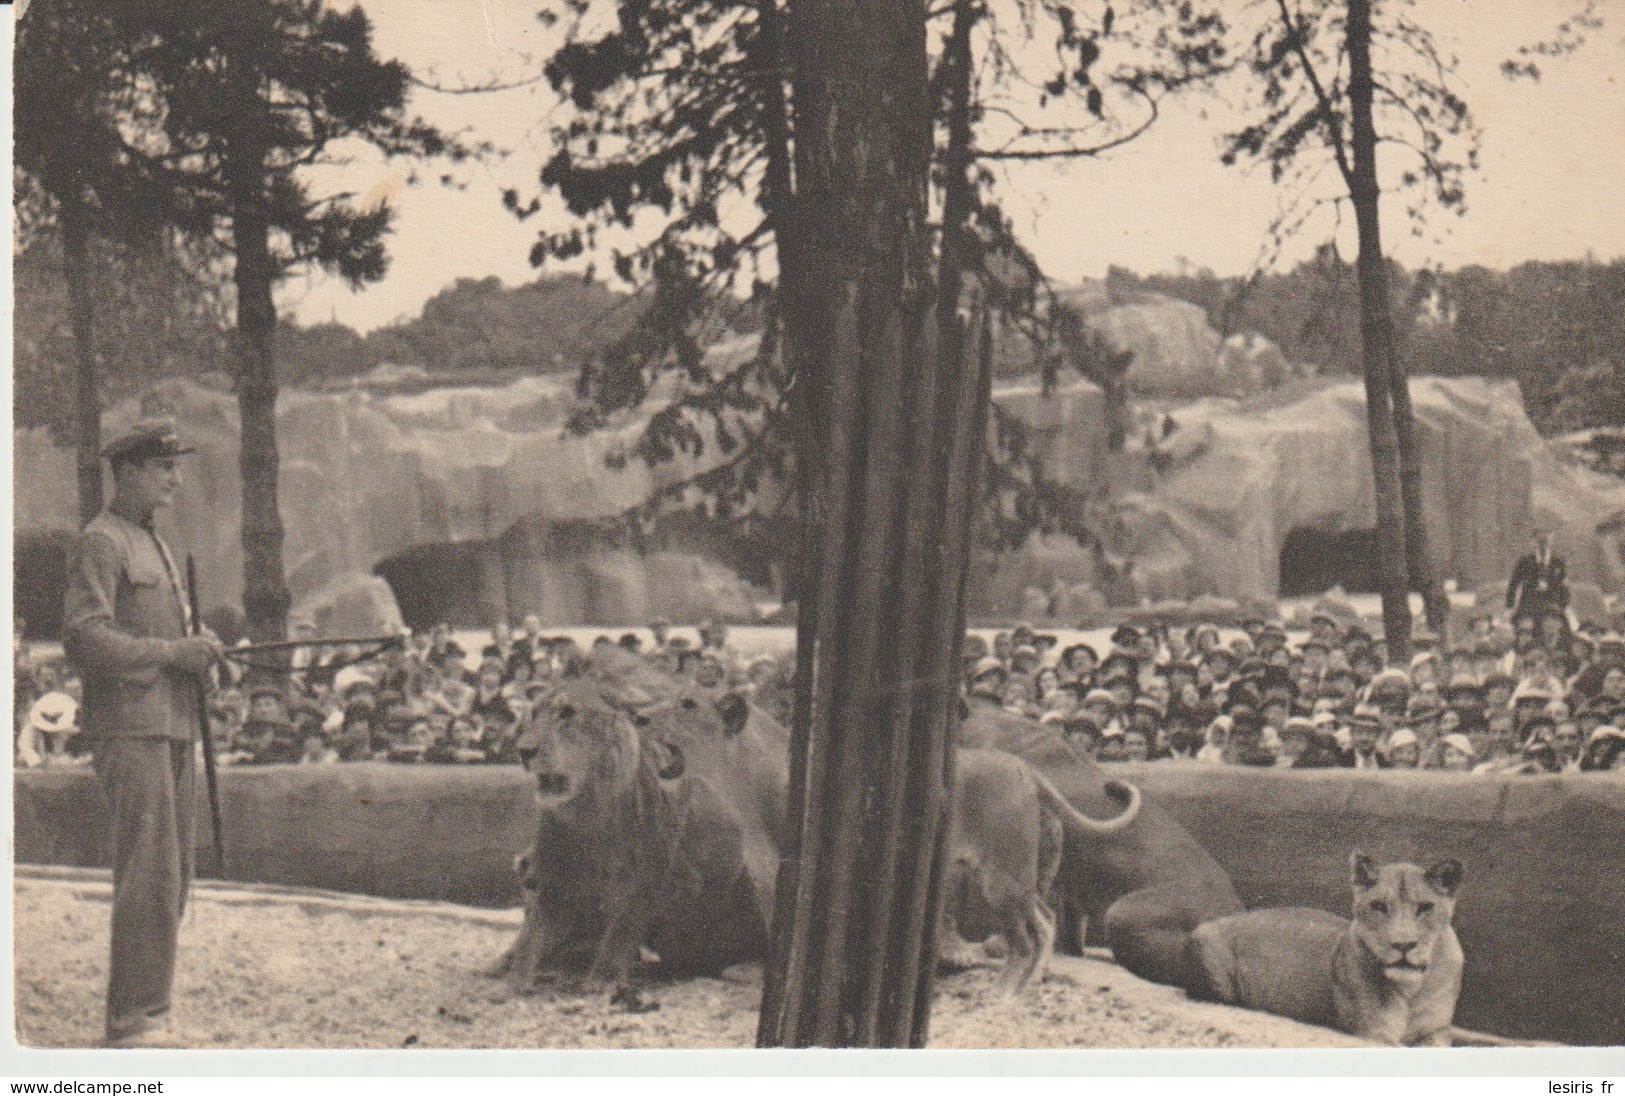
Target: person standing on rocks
{"x": 1539, "y": 585}
{"x": 127, "y": 630}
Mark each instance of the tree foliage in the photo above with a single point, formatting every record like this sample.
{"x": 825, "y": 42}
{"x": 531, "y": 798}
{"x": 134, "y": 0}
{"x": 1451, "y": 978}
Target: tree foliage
{"x": 472, "y": 330}
{"x": 674, "y": 153}
{"x": 1297, "y": 92}
{"x": 157, "y": 315}
{"x": 291, "y": 83}
{"x": 1547, "y": 325}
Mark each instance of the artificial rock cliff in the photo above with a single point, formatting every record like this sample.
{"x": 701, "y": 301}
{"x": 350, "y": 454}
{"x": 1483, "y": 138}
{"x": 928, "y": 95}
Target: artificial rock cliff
{"x": 1214, "y": 496}
{"x": 473, "y": 504}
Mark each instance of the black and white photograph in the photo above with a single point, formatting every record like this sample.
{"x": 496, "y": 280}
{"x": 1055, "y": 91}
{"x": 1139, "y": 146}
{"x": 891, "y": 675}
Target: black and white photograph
{"x": 1002, "y": 525}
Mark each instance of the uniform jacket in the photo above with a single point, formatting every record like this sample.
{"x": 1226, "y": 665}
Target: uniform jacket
{"x": 122, "y": 611}
{"x": 1538, "y": 587}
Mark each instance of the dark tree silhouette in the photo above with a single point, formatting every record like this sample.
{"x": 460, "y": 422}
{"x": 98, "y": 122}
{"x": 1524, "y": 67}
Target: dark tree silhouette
{"x": 85, "y": 181}
{"x": 1319, "y": 88}
{"x": 254, "y": 91}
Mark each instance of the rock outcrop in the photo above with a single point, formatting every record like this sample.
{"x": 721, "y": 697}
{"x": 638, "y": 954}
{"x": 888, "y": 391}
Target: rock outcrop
{"x": 1208, "y": 507}
{"x": 1177, "y": 353}
{"x": 474, "y": 504}
{"x": 475, "y": 497}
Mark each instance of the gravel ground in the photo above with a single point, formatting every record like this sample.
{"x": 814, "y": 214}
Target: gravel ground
{"x": 274, "y": 968}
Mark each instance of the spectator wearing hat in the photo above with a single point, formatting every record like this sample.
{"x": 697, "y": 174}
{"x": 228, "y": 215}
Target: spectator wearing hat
{"x": 1216, "y": 742}
{"x": 1017, "y": 696}
{"x": 1425, "y": 669}
{"x": 1177, "y": 738}
{"x": 1456, "y": 753}
{"x": 1079, "y": 662}
{"x": 1365, "y": 662}
{"x": 1275, "y": 709}
{"x": 1404, "y": 749}
{"x": 1567, "y": 744}
{"x": 412, "y": 745}
{"x": 1535, "y": 670}
{"x": 1538, "y": 727}
{"x": 1466, "y": 698}
{"x": 1024, "y": 659}
{"x": 659, "y": 633}
{"x": 1591, "y": 715}
{"x": 463, "y": 744}
{"x": 1497, "y": 690}
{"x": 1365, "y": 731}
{"x": 269, "y": 741}
{"x": 1247, "y": 739}
{"x": 1422, "y": 716}
{"x": 355, "y": 740}
{"x": 1528, "y": 701}
{"x": 1612, "y": 690}
{"x": 1486, "y": 660}
{"x": 1270, "y": 639}
{"x": 1136, "y": 747}
{"x": 1323, "y": 750}
{"x": 1605, "y": 750}
{"x": 971, "y": 651}
{"x": 1082, "y": 735}
{"x": 314, "y": 750}
{"x": 1100, "y": 706}
{"x": 1601, "y": 680}
{"x": 1537, "y": 758}
{"x": 1324, "y": 626}
{"x": 987, "y": 680}
{"x": 1061, "y": 702}
{"x": 1145, "y": 715}
{"x": 1215, "y": 671}
{"x": 1112, "y": 745}
{"x": 1294, "y": 737}
{"x": 1125, "y": 640}
{"x": 52, "y": 721}
{"x": 127, "y": 631}
{"x": 1205, "y": 638}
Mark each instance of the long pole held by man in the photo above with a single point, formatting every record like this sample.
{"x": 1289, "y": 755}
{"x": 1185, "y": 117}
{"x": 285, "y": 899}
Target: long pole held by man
{"x": 128, "y": 631}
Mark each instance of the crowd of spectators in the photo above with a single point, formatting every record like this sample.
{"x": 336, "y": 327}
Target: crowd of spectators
{"x": 1531, "y": 696}
{"x": 424, "y": 699}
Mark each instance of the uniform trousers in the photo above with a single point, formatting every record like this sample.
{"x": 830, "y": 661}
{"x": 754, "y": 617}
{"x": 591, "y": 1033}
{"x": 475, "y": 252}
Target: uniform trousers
{"x": 150, "y": 783}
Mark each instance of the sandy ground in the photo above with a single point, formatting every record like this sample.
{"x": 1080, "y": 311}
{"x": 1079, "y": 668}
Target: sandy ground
{"x": 271, "y": 967}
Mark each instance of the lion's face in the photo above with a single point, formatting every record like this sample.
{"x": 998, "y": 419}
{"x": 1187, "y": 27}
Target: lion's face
{"x": 574, "y": 740}
{"x": 1401, "y": 912}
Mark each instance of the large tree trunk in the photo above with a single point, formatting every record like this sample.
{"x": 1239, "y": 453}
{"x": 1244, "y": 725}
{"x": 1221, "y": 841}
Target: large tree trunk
{"x": 890, "y": 495}
{"x": 87, "y": 385}
{"x": 265, "y": 592}
{"x": 1377, "y": 342}
{"x": 1424, "y": 574}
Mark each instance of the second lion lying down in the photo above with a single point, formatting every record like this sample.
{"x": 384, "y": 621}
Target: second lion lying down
{"x": 1391, "y": 974}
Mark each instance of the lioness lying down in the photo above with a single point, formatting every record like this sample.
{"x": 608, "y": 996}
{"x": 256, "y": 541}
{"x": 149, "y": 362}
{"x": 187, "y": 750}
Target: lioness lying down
{"x": 1391, "y": 975}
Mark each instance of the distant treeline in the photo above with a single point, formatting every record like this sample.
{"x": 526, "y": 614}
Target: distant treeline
{"x": 474, "y": 327}
{"x": 1558, "y": 329}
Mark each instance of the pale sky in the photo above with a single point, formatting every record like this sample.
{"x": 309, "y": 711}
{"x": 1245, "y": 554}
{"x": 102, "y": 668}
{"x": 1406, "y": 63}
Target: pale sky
{"x": 1552, "y": 183}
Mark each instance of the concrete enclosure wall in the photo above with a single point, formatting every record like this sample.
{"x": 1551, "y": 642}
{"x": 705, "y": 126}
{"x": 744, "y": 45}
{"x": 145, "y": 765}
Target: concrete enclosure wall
{"x": 1541, "y": 915}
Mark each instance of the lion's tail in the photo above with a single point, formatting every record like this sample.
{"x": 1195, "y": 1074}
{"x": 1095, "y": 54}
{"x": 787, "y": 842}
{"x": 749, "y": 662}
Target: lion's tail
{"x": 1078, "y": 823}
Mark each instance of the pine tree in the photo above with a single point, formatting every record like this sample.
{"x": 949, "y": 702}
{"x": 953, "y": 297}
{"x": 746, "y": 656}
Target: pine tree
{"x": 255, "y": 91}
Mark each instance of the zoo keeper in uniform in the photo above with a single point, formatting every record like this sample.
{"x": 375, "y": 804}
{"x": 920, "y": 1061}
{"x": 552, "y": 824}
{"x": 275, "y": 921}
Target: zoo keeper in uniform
{"x": 125, "y": 628}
